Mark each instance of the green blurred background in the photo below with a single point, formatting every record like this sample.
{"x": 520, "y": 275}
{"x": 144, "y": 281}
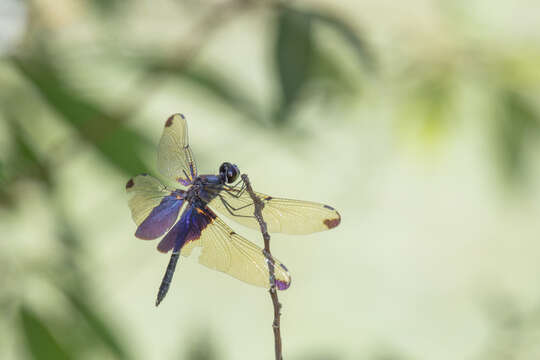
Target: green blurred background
{"x": 418, "y": 120}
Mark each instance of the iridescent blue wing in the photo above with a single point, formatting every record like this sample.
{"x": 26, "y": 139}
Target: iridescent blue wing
{"x": 281, "y": 215}
{"x": 223, "y": 249}
{"x": 175, "y": 159}
{"x": 154, "y": 207}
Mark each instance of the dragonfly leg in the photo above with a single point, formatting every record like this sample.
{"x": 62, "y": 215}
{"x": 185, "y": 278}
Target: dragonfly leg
{"x": 237, "y": 193}
{"x": 232, "y": 210}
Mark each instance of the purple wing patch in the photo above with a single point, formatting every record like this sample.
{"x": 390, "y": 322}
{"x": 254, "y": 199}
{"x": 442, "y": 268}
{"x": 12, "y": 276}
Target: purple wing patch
{"x": 282, "y": 285}
{"x": 161, "y": 218}
{"x": 184, "y": 182}
{"x": 167, "y": 243}
{"x": 189, "y": 228}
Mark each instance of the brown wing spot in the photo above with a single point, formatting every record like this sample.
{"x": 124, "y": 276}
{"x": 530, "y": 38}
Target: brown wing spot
{"x": 232, "y": 233}
{"x": 329, "y": 207}
{"x": 268, "y": 198}
{"x": 130, "y": 184}
{"x": 332, "y": 223}
{"x": 169, "y": 121}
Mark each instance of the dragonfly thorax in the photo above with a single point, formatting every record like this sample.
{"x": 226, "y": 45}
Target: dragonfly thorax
{"x": 204, "y": 188}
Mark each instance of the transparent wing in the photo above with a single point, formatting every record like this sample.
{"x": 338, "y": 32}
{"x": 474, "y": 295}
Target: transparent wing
{"x": 281, "y": 215}
{"x": 154, "y": 207}
{"x": 175, "y": 159}
{"x": 226, "y": 251}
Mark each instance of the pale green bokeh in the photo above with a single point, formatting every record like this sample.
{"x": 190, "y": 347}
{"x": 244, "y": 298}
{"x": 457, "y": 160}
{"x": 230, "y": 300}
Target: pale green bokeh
{"x": 437, "y": 253}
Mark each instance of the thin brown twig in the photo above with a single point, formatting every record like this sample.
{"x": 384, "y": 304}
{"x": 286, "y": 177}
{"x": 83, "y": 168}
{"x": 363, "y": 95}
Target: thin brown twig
{"x": 259, "y": 205}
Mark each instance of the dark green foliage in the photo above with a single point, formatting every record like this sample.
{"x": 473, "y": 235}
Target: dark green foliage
{"x": 300, "y": 60}
{"x": 5, "y": 198}
{"x": 516, "y": 124}
{"x": 513, "y": 330}
{"x": 428, "y": 106}
{"x": 361, "y": 48}
{"x": 118, "y": 143}
{"x": 293, "y": 52}
{"x": 25, "y": 162}
{"x": 387, "y": 354}
{"x": 97, "y": 327}
{"x": 211, "y": 80}
{"x": 202, "y": 349}
{"x": 2, "y": 173}
{"x": 41, "y": 343}
{"x": 321, "y": 355}
{"x": 107, "y": 7}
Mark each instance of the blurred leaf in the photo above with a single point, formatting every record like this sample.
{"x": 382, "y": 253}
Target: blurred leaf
{"x": 6, "y": 199}
{"x": 96, "y": 324}
{"x": 360, "y": 46}
{"x": 87, "y": 329}
{"x": 293, "y": 51}
{"x": 121, "y": 146}
{"x": 386, "y": 354}
{"x": 321, "y": 355}
{"x": 210, "y": 80}
{"x": 118, "y": 143}
{"x": 25, "y": 162}
{"x": 507, "y": 329}
{"x": 513, "y": 329}
{"x": 327, "y": 69}
{"x": 220, "y": 89}
{"x": 41, "y": 343}
{"x": 425, "y": 111}
{"x": 2, "y": 172}
{"x": 516, "y": 124}
{"x": 202, "y": 349}
{"x": 107, "y": 6}
{"x": 69, "y": 237}
{"x": 299, "y": 61}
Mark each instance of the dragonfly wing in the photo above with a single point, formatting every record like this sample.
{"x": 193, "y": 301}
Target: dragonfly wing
{"x": 154, "y": 208}
{"x": 281, "y": 215}
{"x": 175, "y": 159}
{"x": 226, "y": 251}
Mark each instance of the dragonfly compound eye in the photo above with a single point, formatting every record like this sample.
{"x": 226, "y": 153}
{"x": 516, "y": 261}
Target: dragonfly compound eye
{"x": 225, "y": 171}
{"x": 232, "y": 173}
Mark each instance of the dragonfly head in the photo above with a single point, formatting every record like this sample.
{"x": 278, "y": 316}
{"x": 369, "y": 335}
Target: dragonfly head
{"x": 228, "y": 172}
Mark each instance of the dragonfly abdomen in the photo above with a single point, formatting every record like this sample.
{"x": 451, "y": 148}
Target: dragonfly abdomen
{"x": 167, "y": 278}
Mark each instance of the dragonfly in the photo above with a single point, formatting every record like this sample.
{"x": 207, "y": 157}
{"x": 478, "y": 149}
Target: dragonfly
{"x": 155, "y": 209}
